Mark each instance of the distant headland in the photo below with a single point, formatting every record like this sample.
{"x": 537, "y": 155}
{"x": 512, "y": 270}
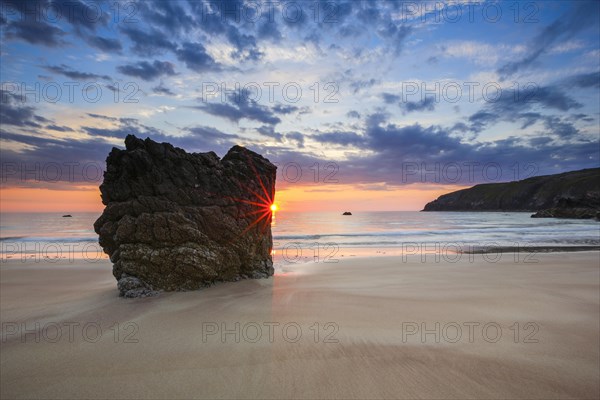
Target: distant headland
{"x": 574, "y": 194}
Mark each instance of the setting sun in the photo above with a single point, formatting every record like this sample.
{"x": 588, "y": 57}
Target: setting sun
{"x": 273, "y": 207}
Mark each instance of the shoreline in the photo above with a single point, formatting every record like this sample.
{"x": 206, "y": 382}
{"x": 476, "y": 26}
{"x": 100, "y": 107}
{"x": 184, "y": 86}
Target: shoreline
{"x": 534, "y": 249}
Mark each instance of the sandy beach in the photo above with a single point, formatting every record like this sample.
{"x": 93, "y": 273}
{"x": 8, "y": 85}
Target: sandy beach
{"x": 362, "y": 328}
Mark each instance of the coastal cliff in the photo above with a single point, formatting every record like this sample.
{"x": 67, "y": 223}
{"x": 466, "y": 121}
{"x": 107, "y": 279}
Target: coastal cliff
{"x": 180, "y": 221}
{"x": 574, "y": 194}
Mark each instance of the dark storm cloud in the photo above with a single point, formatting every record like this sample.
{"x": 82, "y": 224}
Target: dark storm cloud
{"x": 269, "y": 30}
{"x": 560, "y": 128}
{"x": 170, "y": 15}
{"x": 241, "y": 106}
{"x": 269, "y": 131}
{"x": 389, "y": 98}
{"x": 59, "y": 128}
{"x": 148, "y": 44}
{"x": 245, "y": 44}
{"x": 80, "y": 14}
{"x": 581, "y": 117}
{"x": 373, "y": 15}
{"x": 391, "y": 147}
{"x": 591, "y": 80}
{"x": 147, "y": 71}
{"x": 40, "y": 149}
{"x": 161, "y": 89}
{"x": 178, "y": 18}
{"x": 340, "y": 138}
{"x": 394, "y": 146}
{"x": 251, "y": 110}
{"x": 126, "y": 127}
{"x": 67, "y": 71}
{"x": 206, "y": 138}
{"x": 104, "y": 44}
{"x": 412, "y": 139}
{"x": 582, "y": 16}
{"x": 396, "y": 35}
{"x": 102, "y": 117}
{"x": 357, "y": 85}
{"x": 35, "y": 32}
{"x": 39, "y": 22}
{"x": 215, "y": 18}
{"x": 196, "y": 58}
{"x": 427, "y": 104}
{"x": 519, "y": 106}
{"x": 196, "y": 138}
{"x": 15, "y": 112}
{"x": 296, "y": 137}
{"x": 284, "y": 109}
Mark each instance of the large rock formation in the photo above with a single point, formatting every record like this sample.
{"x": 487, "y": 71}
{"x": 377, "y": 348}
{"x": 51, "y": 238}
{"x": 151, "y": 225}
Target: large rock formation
{"x": 179, "y": 221}
{"x": 574, "y": 194}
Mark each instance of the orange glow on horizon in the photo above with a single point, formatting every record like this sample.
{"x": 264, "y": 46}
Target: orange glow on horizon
{"x": 341, "y": 198}
{"x": 82, "y": 199}
{"x": 293, "y": 199}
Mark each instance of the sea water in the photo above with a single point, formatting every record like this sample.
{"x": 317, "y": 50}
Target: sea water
{"x": 322, "y": 236}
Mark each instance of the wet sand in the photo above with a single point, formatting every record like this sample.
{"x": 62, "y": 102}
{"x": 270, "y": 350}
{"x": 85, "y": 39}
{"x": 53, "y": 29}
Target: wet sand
{"x": 380, "y": 327}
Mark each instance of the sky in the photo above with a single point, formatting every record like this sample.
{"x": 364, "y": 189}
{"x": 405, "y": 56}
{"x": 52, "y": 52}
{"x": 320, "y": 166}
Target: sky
{"x": 362, "y": 105}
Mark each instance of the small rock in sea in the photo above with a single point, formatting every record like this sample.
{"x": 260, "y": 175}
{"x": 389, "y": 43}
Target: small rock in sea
{"x": 347, "y": 213}
{"x": 179, "y": 221}
{"x": 67, "y": 216}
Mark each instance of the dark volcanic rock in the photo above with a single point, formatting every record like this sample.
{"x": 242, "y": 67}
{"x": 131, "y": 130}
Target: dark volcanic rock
{"x": 179, "y": 221}
{"x": 573, "y": 194}
{"x": 347, "y": 213}
{"x": 574, "y": 213}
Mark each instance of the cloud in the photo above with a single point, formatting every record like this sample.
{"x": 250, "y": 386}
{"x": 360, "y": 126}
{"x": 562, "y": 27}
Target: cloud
{"x": 362, "y": 84}
{"x": 148, "y": 44}
{"x": 170, "y": 15}
{"x": 39, "y": 22}
{"x": 344, "y": 138}
{"x": 392, "y": 147}
{"x": 35, "y": 32}
{"x": 79, "y": 14}
{"x": 427, "y": 104}
{"x": 523, "y": 105}
{"x": 60, "y": 128}
{"x": 196, "y": 58}
{"x": 67, "y": 71}
{"x": 584, "y": 14}
{"x": 389, "y": 98}
{"x": 479, "y": 53}
{"x": 161, "y": 89}
{"x": 269, "y": 131}
{"x": 14, "y": 112}
{"x": 589, "y": 80}
{"x": 560, "y": 128}
{"x": 146, "y": 70}
{"x": 105, "y": 44}
{"x": 296, "y": 137}
{"x": 240, "y": 105}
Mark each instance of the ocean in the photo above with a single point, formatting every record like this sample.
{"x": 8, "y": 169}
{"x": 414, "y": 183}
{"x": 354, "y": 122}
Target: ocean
{"x": 321, "y": 236}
